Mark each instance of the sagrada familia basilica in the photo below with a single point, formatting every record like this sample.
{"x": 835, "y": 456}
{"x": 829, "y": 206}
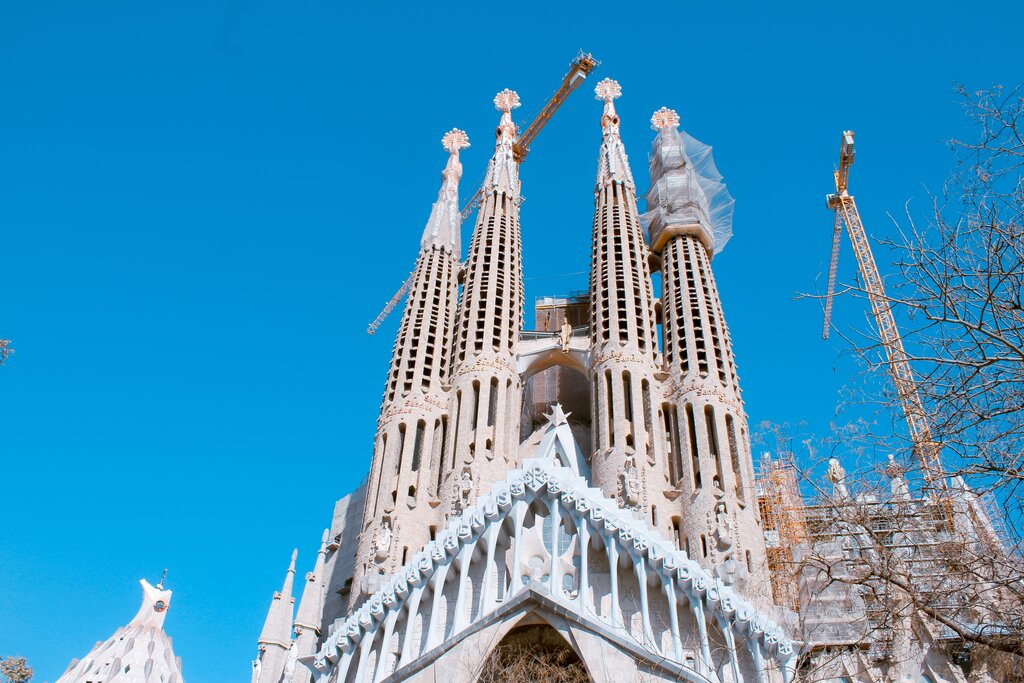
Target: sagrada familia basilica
{"x": 585, "y": 490}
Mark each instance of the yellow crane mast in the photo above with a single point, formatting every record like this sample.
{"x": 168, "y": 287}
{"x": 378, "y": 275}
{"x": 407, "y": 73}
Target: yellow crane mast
{"x": 926, "y": 449}
{"x": 579, "y": 69}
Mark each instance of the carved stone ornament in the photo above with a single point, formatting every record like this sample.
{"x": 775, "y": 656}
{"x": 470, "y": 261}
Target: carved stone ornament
{"x": 382, "y": 541}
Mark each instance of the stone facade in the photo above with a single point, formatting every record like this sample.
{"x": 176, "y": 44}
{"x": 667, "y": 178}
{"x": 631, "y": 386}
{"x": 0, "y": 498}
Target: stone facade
{"x": 625, "y": 529}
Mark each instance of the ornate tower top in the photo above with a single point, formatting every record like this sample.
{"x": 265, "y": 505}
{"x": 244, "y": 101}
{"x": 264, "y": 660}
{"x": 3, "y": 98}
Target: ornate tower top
{"x": 454, "y": 141}
{"x": 665, "y": 118}
{"x": 613, "y": 165}
{"x": 445, "y": 222}
{"x": 503, "y": 170}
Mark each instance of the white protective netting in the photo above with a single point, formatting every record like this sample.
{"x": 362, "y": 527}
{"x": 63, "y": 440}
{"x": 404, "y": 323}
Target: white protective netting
{"x": 686, "y": 188}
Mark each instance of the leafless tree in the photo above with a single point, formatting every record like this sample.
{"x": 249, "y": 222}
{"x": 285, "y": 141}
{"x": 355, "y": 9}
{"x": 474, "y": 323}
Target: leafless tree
{"x": 923, "y": 561}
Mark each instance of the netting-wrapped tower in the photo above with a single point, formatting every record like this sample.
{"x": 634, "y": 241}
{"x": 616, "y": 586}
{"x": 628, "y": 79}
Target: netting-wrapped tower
{"x": 711, "y": 460}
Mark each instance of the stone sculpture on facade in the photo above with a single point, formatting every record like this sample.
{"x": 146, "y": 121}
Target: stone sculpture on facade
{"x": 382, "y": 541}
{"x": 837, "y": 475}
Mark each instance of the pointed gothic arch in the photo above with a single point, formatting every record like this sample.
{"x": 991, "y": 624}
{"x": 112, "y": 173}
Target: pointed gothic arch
{"x": 533, "y": 649}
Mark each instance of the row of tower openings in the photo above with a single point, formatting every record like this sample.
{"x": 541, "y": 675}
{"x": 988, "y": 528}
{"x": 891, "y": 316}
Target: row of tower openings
{"x": 691, "y": 303}
{"x": 689, "y": 430}
{"x": 673, "y": 432}
{"x": 419, "y": 335}
{"x": 626, "y": 249}
{"x": 494, "y": 253}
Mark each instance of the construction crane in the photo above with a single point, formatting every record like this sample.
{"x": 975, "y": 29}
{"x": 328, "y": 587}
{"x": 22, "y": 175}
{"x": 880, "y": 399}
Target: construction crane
{"x": 579, "y": 68}
{"x": 926, "y": 449}
{"x": 390, "y": 305}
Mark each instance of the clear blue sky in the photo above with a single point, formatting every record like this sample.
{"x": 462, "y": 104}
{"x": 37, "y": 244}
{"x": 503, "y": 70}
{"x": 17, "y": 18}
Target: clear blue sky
{"x": 203, "y": 204}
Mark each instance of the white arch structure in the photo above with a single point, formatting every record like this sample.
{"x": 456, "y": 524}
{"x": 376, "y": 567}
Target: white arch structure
{"x": 543, "y": 535}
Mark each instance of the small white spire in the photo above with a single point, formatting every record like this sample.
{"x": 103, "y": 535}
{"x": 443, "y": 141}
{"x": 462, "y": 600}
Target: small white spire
{"x": 445, "y": 223}
{"x": 503, "y": 170}
{"x": 311, "y": 605}
{"x": 612, "y": 164}
{"x": 277, "y": 630}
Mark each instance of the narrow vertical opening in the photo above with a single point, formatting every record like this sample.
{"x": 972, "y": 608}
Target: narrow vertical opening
{"x": 401, "y": 447}
{"x": 417, "y": 447}
{"x": 691, "y": 427}
{"x": 492, "y": 403}
{"x": 476, "y": 404}
{"x": 645, "y": 391}
{"x": 734, "y": 455}
{"x": 712, "y": 432}
{"x": 654, "y": 516}
{"x": 611, "y": 407}
{"x": 704, "y": 545}
{"x": 455, "y": 437}
{"x": 677, "y": 532}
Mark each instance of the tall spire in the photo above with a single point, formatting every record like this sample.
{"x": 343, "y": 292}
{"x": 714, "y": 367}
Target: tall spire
{"x": 445, "y": 222}
{"x": 612, "y": 165}
{"x": 276, "y": 638}
{"x": 709, "y": 455}
{"x": 503, "y": 171}
{"x": 311, "y": 605}
{"x": 628, "y": 447}
{"x": 486, "y": 392}
{"x": 413, "y": 423}
{"x": 310, "y": 614}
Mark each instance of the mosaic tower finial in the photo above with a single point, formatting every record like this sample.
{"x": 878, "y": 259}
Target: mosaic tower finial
{"x": 455, "y": 140}
{"x": 506, "y": 100}
{"x": 665, "y": 118}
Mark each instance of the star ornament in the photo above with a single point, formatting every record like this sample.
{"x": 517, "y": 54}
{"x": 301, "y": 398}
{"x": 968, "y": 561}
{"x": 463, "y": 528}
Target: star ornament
{"x": 665, "y": 118}
{"x": 557, "y": 417}
{"x": 455, "y": 140}
{"x": 608, "y": 90}
{"x": 506, "y": 100}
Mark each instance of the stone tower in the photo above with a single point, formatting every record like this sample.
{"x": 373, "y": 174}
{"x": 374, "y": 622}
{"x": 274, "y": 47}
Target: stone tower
{"x": 411, "y": 430}
{"x": 485, "y": 390}
{"x": 310, "y": 613}
{"x": 628, "y": 458}
{"x": 275, "y": 641}
{"x": 710, "y": 459}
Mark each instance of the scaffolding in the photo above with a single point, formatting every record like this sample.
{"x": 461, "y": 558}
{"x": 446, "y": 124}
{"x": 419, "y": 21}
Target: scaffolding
{"x": 784, "y": 524}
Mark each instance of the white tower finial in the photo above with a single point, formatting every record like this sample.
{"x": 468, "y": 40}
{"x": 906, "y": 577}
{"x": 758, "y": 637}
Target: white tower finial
{"x": 455, "y": 140}
{"x": 665, "y": 118}
{"x": 608, "y": 90}
{"x": 506, "y": 100}
{"x": 613, "y": 165}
